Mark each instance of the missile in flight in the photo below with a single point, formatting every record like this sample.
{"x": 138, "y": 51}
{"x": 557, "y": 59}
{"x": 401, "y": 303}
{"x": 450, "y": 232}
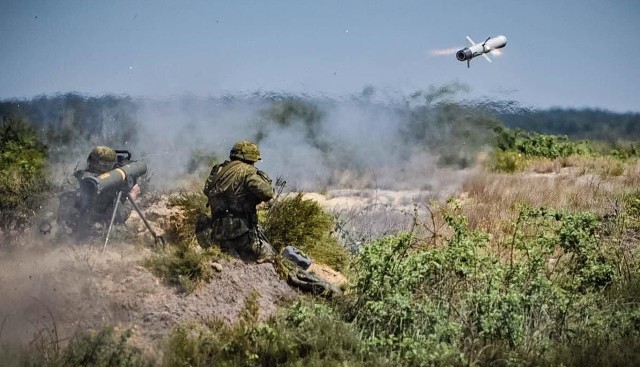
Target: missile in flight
{"x": 475, "y": 49}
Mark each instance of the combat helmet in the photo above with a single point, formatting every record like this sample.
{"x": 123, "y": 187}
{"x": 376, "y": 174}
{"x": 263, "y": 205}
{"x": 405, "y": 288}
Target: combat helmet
{"x": 101, "y": 159}
{"x": 246, "y": 151}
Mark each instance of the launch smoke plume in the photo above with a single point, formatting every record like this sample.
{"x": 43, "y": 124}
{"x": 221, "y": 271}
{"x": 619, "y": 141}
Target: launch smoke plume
{"x": 362, "y": 141}
{"x": 315, "y": 143}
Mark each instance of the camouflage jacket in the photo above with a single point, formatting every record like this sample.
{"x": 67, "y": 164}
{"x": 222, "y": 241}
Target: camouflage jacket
{"x": 234, "y": 188}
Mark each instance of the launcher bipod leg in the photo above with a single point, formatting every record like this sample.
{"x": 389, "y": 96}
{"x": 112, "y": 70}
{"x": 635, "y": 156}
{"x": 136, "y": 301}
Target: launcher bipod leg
{"x": 113, "y": 217}
{"x": 157, "y": 239}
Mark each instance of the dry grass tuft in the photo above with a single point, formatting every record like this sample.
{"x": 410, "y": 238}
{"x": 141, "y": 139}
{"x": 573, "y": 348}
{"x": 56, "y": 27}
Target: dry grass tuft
{"x": 493, "y": 198}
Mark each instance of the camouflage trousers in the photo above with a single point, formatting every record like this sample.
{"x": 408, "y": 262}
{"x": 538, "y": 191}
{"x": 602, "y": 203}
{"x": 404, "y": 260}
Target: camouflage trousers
{"x": 234, "y": 234}
{"x": 251, "y": 243}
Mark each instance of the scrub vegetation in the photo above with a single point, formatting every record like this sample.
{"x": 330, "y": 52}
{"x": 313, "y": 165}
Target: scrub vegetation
{"x": 537, "y": 262}
{"x": 24, "y": 182}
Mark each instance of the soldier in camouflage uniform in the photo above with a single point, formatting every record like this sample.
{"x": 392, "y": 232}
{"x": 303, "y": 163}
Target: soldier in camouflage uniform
{"x": 84, "y": 213}
{"x": 234, "y": 189}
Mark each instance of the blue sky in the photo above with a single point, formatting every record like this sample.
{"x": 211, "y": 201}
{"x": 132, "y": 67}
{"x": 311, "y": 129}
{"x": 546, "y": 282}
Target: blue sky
{"x": 571, "y": 53}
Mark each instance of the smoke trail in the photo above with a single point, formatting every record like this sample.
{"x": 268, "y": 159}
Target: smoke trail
{"x": 444, "y": 52}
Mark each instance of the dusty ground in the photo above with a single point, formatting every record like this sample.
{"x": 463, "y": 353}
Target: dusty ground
{"x": 68, "y": 288}
{"x": 55, "y": 290}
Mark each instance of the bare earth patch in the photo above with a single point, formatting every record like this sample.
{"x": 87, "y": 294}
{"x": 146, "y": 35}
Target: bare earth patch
{"x": 48, "y": 291}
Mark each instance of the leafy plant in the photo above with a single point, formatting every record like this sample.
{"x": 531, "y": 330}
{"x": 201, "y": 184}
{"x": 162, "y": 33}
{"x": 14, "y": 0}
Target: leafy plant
{"x": 463, "y": 304}
{"x": 23, "y": 176}
{"x": 303, "y": 335}
{"x": 538, "y": 145}
{"x": 304, "y": 224}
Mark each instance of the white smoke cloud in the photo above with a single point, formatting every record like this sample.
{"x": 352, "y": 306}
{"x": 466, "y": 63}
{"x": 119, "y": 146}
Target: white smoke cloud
{"x": 357, "y": 144}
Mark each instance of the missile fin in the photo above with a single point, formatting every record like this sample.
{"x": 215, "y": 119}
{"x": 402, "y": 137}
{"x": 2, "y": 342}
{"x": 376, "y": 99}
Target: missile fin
{"x": 470, "y": 41}
{"x": 486, "y": 57}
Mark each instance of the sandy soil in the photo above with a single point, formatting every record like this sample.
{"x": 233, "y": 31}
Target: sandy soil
{"x": 48, "y": 291}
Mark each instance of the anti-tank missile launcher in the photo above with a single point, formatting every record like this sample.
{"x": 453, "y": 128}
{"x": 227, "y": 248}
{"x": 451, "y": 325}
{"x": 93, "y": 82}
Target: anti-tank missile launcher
{"x": 119, "y": 178}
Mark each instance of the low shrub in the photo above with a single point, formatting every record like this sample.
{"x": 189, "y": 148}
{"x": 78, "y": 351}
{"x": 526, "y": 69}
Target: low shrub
{"x": 186, "y": 266}
{"x": 104, "y": 348}
{"x": 507, "y": 161}
{"x": 192, "y": 212}
{"x": 532, "y": 144}
{"x": 100, "y": 349}
{"x": 462, "y": 304}
{"x": 23, "y": 177}
{"x": 303, "y": 335}
{"x": 304, "y": 224}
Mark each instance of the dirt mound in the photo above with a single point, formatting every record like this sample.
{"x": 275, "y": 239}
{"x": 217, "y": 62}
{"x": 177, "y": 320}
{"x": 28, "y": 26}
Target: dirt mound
{"x": 56, "y": 291}
{"x": 158, "y": 214}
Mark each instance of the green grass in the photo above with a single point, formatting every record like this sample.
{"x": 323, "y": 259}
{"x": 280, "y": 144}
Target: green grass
{"x": 183, "y": 265}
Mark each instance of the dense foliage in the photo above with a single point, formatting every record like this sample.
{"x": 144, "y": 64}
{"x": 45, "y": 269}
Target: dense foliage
{"x": 306, "y": 334}
{"x": 538, "y": 145}
{"x": 23, "y": 176}
{"x": 515, "y": 148}
{"x": 106, "y": 348}
{"x": 592, "y": 124}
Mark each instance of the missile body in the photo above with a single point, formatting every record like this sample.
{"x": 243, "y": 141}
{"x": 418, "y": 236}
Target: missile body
{"x": 477, "y": 49}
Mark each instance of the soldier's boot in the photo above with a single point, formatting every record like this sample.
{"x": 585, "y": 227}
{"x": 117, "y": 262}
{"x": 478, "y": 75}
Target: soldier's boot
{"x": 265, "y": 252}
{"x": 261, "y": 247}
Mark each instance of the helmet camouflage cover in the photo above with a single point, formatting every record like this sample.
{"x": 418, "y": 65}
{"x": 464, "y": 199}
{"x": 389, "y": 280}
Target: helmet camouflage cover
{"x": 101, "y": 159}
{"x": 245, "y": 150}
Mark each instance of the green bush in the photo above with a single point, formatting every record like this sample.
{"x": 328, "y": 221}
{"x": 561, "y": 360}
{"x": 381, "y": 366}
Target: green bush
{"x": 184, "y": 262}
{"x": 104, "y": 348}
{"x": 531, "y": 144}
{"x": 23, "y": 177}
{"x": 304, "y": 224}
{"x": 304, "y": 335}
{"x": 462, "y": 304}
{"x": 507, "y": 161}
{"x": 186, "y": 266}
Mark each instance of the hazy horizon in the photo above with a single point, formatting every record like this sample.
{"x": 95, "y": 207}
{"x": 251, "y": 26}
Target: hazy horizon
{"x": 571, "y": 54}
